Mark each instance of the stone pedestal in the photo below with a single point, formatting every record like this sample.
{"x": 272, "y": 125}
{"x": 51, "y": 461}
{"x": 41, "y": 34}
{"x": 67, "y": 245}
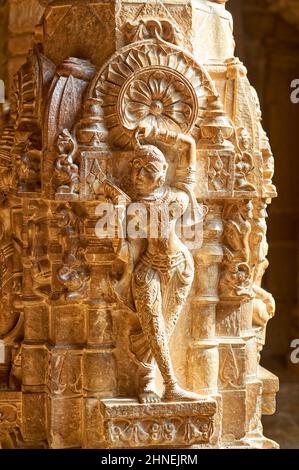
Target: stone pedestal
{"x": 129, "y": 424}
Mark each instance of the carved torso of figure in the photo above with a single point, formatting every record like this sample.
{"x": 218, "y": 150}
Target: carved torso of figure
{"x": 165, "y": 257}
{"x": 166, "y": 245}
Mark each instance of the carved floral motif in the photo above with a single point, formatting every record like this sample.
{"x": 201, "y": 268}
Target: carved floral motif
{"x": 158, "y": 100}
{"x": 175, "y": 431}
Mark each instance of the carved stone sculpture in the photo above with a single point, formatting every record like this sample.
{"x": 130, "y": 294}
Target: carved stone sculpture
{"x": 135, "y": 177}
{"x": 163, "y": 275}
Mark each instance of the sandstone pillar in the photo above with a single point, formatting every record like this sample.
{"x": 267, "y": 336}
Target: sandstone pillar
{"x": 114, "y": 94}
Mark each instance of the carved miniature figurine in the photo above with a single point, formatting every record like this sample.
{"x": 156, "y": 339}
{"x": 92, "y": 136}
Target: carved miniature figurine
{"x": 236, "y": 279}
{"x": 263, "y": 302}
{"x": 163, "y": 272}
{"x": 244, "y": 162}
{"x": 74, "y": 274}
{"x": 67, "y": 171}
{"x": 37, "y": 247}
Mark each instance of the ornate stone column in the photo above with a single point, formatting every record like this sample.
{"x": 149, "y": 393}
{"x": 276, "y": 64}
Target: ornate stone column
{"x": 160, "y": 114}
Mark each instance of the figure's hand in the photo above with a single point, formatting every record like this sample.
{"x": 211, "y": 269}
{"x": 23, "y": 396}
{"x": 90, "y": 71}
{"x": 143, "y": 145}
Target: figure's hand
{"x": 146, "y": 132}
{"x": 143, "y": 132}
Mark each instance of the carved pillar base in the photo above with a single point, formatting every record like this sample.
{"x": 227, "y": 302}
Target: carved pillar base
{"x": 127, "y": 423}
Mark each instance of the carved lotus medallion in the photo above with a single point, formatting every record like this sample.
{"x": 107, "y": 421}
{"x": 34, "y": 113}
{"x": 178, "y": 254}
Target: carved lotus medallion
{"x": 151, "y": 83}
{"x": 161, "y": 99}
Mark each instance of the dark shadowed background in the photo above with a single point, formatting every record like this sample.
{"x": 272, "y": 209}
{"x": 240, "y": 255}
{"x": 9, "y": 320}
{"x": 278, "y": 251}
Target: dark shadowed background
{"x": 268, "y": 43}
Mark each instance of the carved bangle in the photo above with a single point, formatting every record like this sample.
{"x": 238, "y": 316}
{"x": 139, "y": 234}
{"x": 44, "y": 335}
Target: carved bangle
{"x": 186, "y": 175}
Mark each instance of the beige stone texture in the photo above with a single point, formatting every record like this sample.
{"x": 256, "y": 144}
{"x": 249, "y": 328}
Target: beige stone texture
{"x": 112, "y": 338}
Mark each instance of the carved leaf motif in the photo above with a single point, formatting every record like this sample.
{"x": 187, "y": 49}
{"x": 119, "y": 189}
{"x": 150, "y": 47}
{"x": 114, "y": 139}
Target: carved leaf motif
{"x": 160, "y": 431}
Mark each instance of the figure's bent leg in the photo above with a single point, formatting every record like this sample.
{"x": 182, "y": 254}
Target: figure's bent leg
{"x": 177, "y": 296}
{"x": 147, "y": 368}
{"x": 148, "y": 301}
{"x": 180, "y": 290}
{"x": 177, "y": 305}
{"x": 158, "y": 339}
{"x": 151, "y": 346}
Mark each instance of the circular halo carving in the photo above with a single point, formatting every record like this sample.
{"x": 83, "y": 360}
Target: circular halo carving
{"x": 158, "y": 96}
{"x": 151, "y": 83}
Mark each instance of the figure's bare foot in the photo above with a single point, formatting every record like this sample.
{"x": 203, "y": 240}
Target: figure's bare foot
{"x": 147, "y": 386}
{"x": 148, "y": 396}
{"x": 174, "y": 392}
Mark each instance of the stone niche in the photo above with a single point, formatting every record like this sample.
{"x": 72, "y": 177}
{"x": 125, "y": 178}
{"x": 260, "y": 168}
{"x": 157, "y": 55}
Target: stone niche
{"x": 113, "y": 341}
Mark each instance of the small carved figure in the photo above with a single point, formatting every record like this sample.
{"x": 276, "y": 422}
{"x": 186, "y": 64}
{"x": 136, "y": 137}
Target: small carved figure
{"x": 244, "y": 162}
{"x": 268, "y": 168}
{"x": 236, "y": 279}
{"x": 75, "y": 273}
{"x": 237, "y": 230}
{"x": 265, "y": 148}
{"x": 15, "y": 377}
{"x": 29, "y": 173}
{"x": 67, "y": 170}
{"x": 263, "y": 302}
